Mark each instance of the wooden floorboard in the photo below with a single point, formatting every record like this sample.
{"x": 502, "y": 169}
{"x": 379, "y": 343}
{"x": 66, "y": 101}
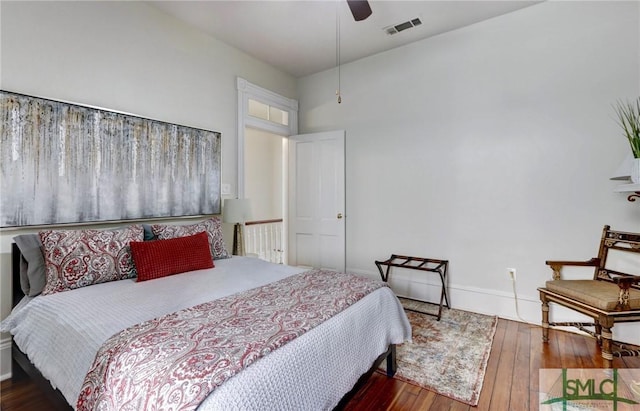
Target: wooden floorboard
{"x": 520, "y": 386}
{"x": 502, "y": 392}
{"x": 484, "y": 402}
{"x": 535, "y": 355}
{"x": 511, "y": 380}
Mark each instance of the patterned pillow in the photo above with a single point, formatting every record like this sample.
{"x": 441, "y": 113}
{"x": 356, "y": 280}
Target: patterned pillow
{"x": 160, "y": 258}
{"x": 78, "y": 258}
{"x": 212, "y": 227}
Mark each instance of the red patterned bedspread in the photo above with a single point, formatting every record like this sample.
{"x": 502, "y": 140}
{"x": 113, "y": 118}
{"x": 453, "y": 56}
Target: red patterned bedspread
{"x": 175, "y": 361}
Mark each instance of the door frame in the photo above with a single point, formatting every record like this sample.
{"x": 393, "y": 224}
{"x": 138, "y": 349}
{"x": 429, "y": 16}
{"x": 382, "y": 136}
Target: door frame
{"x": 247, "y": 91}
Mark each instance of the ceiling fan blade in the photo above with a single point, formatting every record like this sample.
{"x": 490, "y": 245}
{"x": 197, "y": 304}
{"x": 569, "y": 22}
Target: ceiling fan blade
{"x": 360, "y": 9}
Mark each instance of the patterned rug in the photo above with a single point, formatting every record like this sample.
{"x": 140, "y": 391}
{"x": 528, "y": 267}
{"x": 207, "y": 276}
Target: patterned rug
{"x": 447, "y": 356}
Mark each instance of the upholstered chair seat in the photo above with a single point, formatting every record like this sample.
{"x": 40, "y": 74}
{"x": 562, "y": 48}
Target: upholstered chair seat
{"x": 599, "y": 294}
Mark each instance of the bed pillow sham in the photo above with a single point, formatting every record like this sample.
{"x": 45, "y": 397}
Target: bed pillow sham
{"x": 211, "y": 226}
{"x": 161, "y": 258}
{"x": 78, "y": 258}
{"x": 32, "y": 267}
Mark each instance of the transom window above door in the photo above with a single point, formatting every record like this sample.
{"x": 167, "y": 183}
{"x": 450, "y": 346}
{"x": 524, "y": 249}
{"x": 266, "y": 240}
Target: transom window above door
{"x": 267, "y": 112}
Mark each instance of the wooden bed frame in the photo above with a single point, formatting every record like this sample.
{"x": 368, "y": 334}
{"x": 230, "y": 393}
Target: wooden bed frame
{"x": 21, "y": 366}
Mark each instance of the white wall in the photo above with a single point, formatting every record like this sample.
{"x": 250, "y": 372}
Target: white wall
{"x": 263, "y": 173}
{"x": 124, "y": 56}
{"x": 490, "y": 146}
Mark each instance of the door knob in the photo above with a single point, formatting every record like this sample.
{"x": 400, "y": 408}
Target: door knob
{"x": 339, "y": 216}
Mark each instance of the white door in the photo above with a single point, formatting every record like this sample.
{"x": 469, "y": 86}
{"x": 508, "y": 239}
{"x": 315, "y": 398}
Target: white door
{"x": 317, "y": 200}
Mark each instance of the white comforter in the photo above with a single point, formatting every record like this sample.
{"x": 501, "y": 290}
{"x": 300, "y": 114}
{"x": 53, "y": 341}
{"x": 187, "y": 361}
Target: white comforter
{"x": 313, "y": 372}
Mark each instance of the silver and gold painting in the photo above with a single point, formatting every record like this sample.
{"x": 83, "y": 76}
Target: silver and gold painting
{"x": 66, "y": 163}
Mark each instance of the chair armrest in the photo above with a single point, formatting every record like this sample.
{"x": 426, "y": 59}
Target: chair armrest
{"x": 556, "y": 266}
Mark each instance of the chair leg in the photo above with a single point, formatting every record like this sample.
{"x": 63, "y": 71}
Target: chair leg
{"x": 607, "y": 354}
{"x": 545, "y": 320}
{"x": 598, "y": 330}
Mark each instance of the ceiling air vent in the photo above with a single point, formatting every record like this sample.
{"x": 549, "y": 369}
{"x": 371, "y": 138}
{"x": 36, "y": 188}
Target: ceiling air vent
{"x": 403, "y": 26}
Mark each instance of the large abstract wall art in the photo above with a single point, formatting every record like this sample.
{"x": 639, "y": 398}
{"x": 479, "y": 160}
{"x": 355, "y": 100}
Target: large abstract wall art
{"x": 66, "y": 163}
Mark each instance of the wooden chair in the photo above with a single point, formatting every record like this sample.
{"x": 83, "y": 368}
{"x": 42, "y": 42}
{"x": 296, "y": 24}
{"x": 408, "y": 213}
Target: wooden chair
{"x": 610, "y": 297}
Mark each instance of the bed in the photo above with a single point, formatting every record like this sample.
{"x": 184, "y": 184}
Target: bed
{"x": 56, "y": 336}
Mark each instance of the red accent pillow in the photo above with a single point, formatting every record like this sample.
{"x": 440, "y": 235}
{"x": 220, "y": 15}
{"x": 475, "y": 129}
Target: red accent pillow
{"x": 160, "y": 258}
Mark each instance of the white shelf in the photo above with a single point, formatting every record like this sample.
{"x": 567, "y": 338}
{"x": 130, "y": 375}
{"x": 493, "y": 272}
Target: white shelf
{"x": 627, "y": 188}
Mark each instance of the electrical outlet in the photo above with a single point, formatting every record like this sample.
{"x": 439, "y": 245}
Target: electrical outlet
{"x": 512, "y": 273}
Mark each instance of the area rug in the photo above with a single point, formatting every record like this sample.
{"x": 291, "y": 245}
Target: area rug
{"x": 448, "y": 356}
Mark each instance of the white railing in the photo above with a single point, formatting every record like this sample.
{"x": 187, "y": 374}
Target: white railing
{"x": 265, "y": 240}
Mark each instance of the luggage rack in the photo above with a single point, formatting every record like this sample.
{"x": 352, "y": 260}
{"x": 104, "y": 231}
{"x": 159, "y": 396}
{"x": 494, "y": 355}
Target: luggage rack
{"x": 422, "y": 264}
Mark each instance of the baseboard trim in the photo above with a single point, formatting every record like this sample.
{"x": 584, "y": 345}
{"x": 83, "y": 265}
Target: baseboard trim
{"x": 479, "y": 300}
{"x": 5, "y": 353}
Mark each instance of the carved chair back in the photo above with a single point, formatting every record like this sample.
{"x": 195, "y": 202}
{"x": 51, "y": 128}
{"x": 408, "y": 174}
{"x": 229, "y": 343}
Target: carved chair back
{"x": 621, "y": 241}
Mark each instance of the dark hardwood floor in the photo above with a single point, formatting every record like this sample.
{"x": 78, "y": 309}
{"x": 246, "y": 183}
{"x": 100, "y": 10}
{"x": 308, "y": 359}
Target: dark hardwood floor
{"x": 511, "y": 380}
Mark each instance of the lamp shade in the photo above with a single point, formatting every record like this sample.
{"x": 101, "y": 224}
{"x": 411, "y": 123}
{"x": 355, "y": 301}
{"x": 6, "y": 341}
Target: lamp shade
{"x": 236, "y": 210}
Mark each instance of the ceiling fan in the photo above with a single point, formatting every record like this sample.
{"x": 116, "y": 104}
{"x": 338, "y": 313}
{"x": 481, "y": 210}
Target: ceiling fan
{"x": 360, "y": 9}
